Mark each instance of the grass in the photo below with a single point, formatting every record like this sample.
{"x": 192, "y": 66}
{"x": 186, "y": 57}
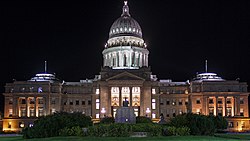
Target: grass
{"x": 240, "y": 136}
{"x": 179, "y": 138}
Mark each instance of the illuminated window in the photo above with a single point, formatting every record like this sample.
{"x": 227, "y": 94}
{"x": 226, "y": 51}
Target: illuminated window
{"x": 23, "y": 112}
{"x": 40, "y": 112}
{"x": 180, "y": 111}
{"x": 136, "y": 96}
{"x": 97, "y": 91}
{"x": 97, "y": 115}
{"x": 32, "y": 112}
{"x": 241, "y": 112}
{"x": 211, "y": 111}
{"x": 97, "y": 104}
{"x": 153, "y": 104}
{"x": 10, "y": 112}
{"x": 153, "y": 91}
{"x": 153, "y": 115}
{"x": 229, "y": 112}
{"x": 186, "y": 102}
{"x": 53, "y": 110}
{"x": 115, "y": 96}
{"x": 31, "y": 125}
{"x": 219, "y": 112}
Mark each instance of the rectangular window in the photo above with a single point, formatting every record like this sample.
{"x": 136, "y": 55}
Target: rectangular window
{"x": 71, "y": 102}
{"x": 173, "y": 102}
{"x": 40, "y": 112}
{"x": 32, "y": 112}
{"x": 97, "y": 104}
{"x": 10, "y": 112}
{"x": 83, "y": 102}
{"x": 153, "y": 115}
{"x": 229, "y": 112}
{"x": 219, "y": 101}
{"x": 241, "y": 100}
{"x": 53, "y": 101}
{"x": 97, "y": 116}
{"x": 40, "y": 100}
{"x": 211, "y": 101}
{"x": 228, "y": 100}
{"x": 180, "y": 102}
{"x": 97, "y": 91}
{"x": 23, "y": 112}
{"x": 186, "y": 102}
{"x": 153, "y": 104}
{"x": 241, "y": 112}
{"x": 10, "y": 101}
{"x": 77, "y": 102}
{"x": 89, "y": 102}
{"x": 168, "y": 102}
{"x": 198, "y": 101}
{"x": 23, "y": 101}
{"x": 153, "y": 91}
{"x": 219, "y": 111}
{"x": 211, "y": 111}
{"x": 115, "y": 96}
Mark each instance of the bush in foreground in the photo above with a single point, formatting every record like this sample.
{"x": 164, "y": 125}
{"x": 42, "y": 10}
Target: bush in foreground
{"x": 51, "y": 125}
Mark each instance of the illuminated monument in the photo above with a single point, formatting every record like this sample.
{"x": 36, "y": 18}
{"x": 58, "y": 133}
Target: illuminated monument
{"x": 125, "y": 78}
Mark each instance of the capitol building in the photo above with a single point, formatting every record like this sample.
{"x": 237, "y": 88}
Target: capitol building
{"x": 126, "y": 75}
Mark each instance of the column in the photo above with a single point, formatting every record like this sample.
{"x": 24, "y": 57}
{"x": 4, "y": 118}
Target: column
{"x": 35, "y": 107}
{"x": 204, "y": 105}
{"x": 117, "y": 59}
{"x": 26, "y": 99}
{"x": 120, "y": 96}
{"x": 225, "y": 106}
{"x": 216, "y": 106}
{"x": 130, "y": 96}
{"x": 232, "y": 103}
{"x": 130, "y": 59}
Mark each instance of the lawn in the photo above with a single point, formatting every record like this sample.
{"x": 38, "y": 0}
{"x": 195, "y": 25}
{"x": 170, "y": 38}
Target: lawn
{"x": 183, "y": 138}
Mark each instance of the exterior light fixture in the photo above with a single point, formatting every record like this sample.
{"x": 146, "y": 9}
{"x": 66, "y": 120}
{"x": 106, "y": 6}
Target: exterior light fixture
{"x": 103, "y": 111}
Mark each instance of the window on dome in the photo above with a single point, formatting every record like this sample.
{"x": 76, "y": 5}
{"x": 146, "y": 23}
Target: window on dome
{"x": 121, "y": 29}
{"x": 133, "y": 29}
{"x": 136, "y": 30}
{"x": 129, "y": 29}
{"x": 117, "y": 30}
{"x": 113, "y": 31}
{"x": 125, "y": 28}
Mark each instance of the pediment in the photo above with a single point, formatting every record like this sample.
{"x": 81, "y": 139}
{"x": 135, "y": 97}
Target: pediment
{"x": 125, "y": 76}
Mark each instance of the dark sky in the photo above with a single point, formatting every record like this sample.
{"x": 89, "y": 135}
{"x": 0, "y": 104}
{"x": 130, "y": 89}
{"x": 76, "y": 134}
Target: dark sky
{"x": 70, "y": 35}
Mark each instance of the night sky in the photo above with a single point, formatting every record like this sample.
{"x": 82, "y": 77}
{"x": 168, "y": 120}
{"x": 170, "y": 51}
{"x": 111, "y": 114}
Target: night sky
{"x": 70, "y": 36}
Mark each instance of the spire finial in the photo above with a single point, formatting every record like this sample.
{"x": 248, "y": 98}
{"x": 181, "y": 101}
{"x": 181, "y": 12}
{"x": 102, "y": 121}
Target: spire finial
{"x": 125, "y": 9}
{"x": 45, "y": 66}
{"x": 206, "y": 66}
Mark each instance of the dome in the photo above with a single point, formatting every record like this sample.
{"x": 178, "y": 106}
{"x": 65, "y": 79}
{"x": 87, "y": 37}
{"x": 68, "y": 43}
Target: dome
{"x": 125, "y": 25}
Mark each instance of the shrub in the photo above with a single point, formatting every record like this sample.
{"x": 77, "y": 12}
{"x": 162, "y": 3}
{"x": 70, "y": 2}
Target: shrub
{"x": 107, "y": 120}
{"x": 110, "y": 130}
{"x": 142, "y": 119}
{"x": 173, "y": 131}
{"x": 73, "y": 131}
{"x": 199, "y": 124}
{"x": 151, "y": 128}
{"x": 51, "y": 125}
